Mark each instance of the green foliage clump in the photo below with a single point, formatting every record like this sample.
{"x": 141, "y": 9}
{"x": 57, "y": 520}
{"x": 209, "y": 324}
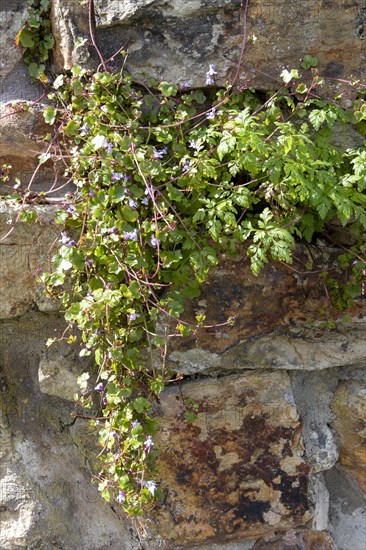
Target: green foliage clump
{"x": 36, "y": 38}
{"x": 164, "y": 181}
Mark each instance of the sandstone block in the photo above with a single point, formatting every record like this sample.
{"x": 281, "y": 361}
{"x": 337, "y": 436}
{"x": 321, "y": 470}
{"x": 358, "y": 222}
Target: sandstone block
{"x": 235, "y": 472}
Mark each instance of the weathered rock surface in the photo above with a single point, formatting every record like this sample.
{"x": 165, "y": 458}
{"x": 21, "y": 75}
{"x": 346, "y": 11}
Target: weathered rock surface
{"x": 301, "y": 540}
{"x": 47, "y": 501}
{"x": 12, "y": 17}
{"x": 282, "y": 319}
{"x": 22, "y": 130}
{"x": 347, "y": 511}
{"x": 258, "y": 469}
{"x": 238, "y": 470}
{"x": 349, "y": 406}
{"x": 176, "y": 41}
{"x": 25, "y": 250}
{"x": 70, "y": 28}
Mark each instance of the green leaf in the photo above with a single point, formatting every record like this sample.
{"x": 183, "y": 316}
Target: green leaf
{"x": 26, "y": 38}
{"x": 49, "y": 115}
{"x": 35, "y": 69}
{"x": 72, "y": 128}
{"x": 168, "y": 89}
{"x": 287, "y": 76}
{"x": 309, "y": 61}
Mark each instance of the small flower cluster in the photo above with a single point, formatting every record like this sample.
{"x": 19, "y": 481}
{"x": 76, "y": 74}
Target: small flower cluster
{"x": 210, "y": 76}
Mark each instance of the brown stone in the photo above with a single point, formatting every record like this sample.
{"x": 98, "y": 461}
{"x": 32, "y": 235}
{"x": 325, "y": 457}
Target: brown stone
{"x": 24, "y": 248}
{"x": 349, "y": 406}
{"x": 237, "y": 471}
{"x": 283, "y": 319}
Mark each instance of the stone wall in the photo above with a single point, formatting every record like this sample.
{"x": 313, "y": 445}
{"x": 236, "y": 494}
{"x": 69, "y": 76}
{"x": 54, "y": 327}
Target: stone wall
{"x": 276, "y": 458}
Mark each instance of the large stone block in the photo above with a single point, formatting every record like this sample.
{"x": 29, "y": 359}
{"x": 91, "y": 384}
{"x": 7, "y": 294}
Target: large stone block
{"x": 282, "y": 319}
{"x": 176, "y": 41}
{"x": 235, "y": 472}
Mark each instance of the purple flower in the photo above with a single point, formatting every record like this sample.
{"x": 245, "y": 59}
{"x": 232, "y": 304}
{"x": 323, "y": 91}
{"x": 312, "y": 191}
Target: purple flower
{"x": 211, "y": 114}
{"x": 121, "y": 497}
{"x": 84, "y": 128}
{"x": 91, "y": 193}
{"x": 154, "y": 241}
{"x": 150, "y": 486}
{"x": 130, "y": 235}
{"x": 210, "y": 75}
{"x": 70, "y": 208}
{"x": 132, "y": 203}
{"x": 64, "y": 238}
{"x": 133, "y": 316}
{"x": 185, "y": 166}
{"x": 145, "y": 201}
{"x": 107, "y": 146}
{"x": 192, "y": 144}
{"x": 184, "y": 85}
{"x": 148, "y": 442}
{"x": 159, "y": 154}
{"x": 135, "y": 423}
{"x": 116, "y": 176}
{"x": 99, "y": 387}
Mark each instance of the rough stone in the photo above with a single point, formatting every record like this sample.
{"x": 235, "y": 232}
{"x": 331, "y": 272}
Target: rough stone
{"x": 349, "y": 407}
{"x": 70, "y": 28}
{"x": 24, "y": 249}
{"x": 301, "y": 540}
{"x": 176, "y": 41}
{"x": 347, "y": 513}
{"x": 238, "y": 470}
{"x": 12, "y": 17}
{"x": 320, "y": 441}
{"x": 46, "y": 499}
{"x": 22, "y": 130}
{"x": 282, "y": 319}
{"x": 57, "y": 374}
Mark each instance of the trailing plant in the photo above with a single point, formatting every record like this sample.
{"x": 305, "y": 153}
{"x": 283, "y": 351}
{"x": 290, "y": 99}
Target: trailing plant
{"x": 36, "y": 38}
{"x": 165, "y": 180}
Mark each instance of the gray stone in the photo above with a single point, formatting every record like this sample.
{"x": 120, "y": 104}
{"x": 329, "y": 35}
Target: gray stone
{"x": 316, "y": 388}
{"x": 13, "y": 13}
{"x": 347, "y": 511}
{"x": 279, "y": 351}
{"x": 176, "y": 41}
{"x": 70, "y": 28}
{"x": 47, "y": 501}
{"x": 57, "y": 375}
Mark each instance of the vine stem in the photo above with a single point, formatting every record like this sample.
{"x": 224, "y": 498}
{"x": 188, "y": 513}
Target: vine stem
{"x": 244, "y": 42}
{"x": 92, "y": 37}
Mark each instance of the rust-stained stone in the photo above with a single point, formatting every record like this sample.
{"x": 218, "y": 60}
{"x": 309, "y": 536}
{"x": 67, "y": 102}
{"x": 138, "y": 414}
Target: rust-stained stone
{"x": 349, "y": 406}
{"x": 299, "y": 540}
{"x": 238, "y": 470}
{"x": 281, "y": 319}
